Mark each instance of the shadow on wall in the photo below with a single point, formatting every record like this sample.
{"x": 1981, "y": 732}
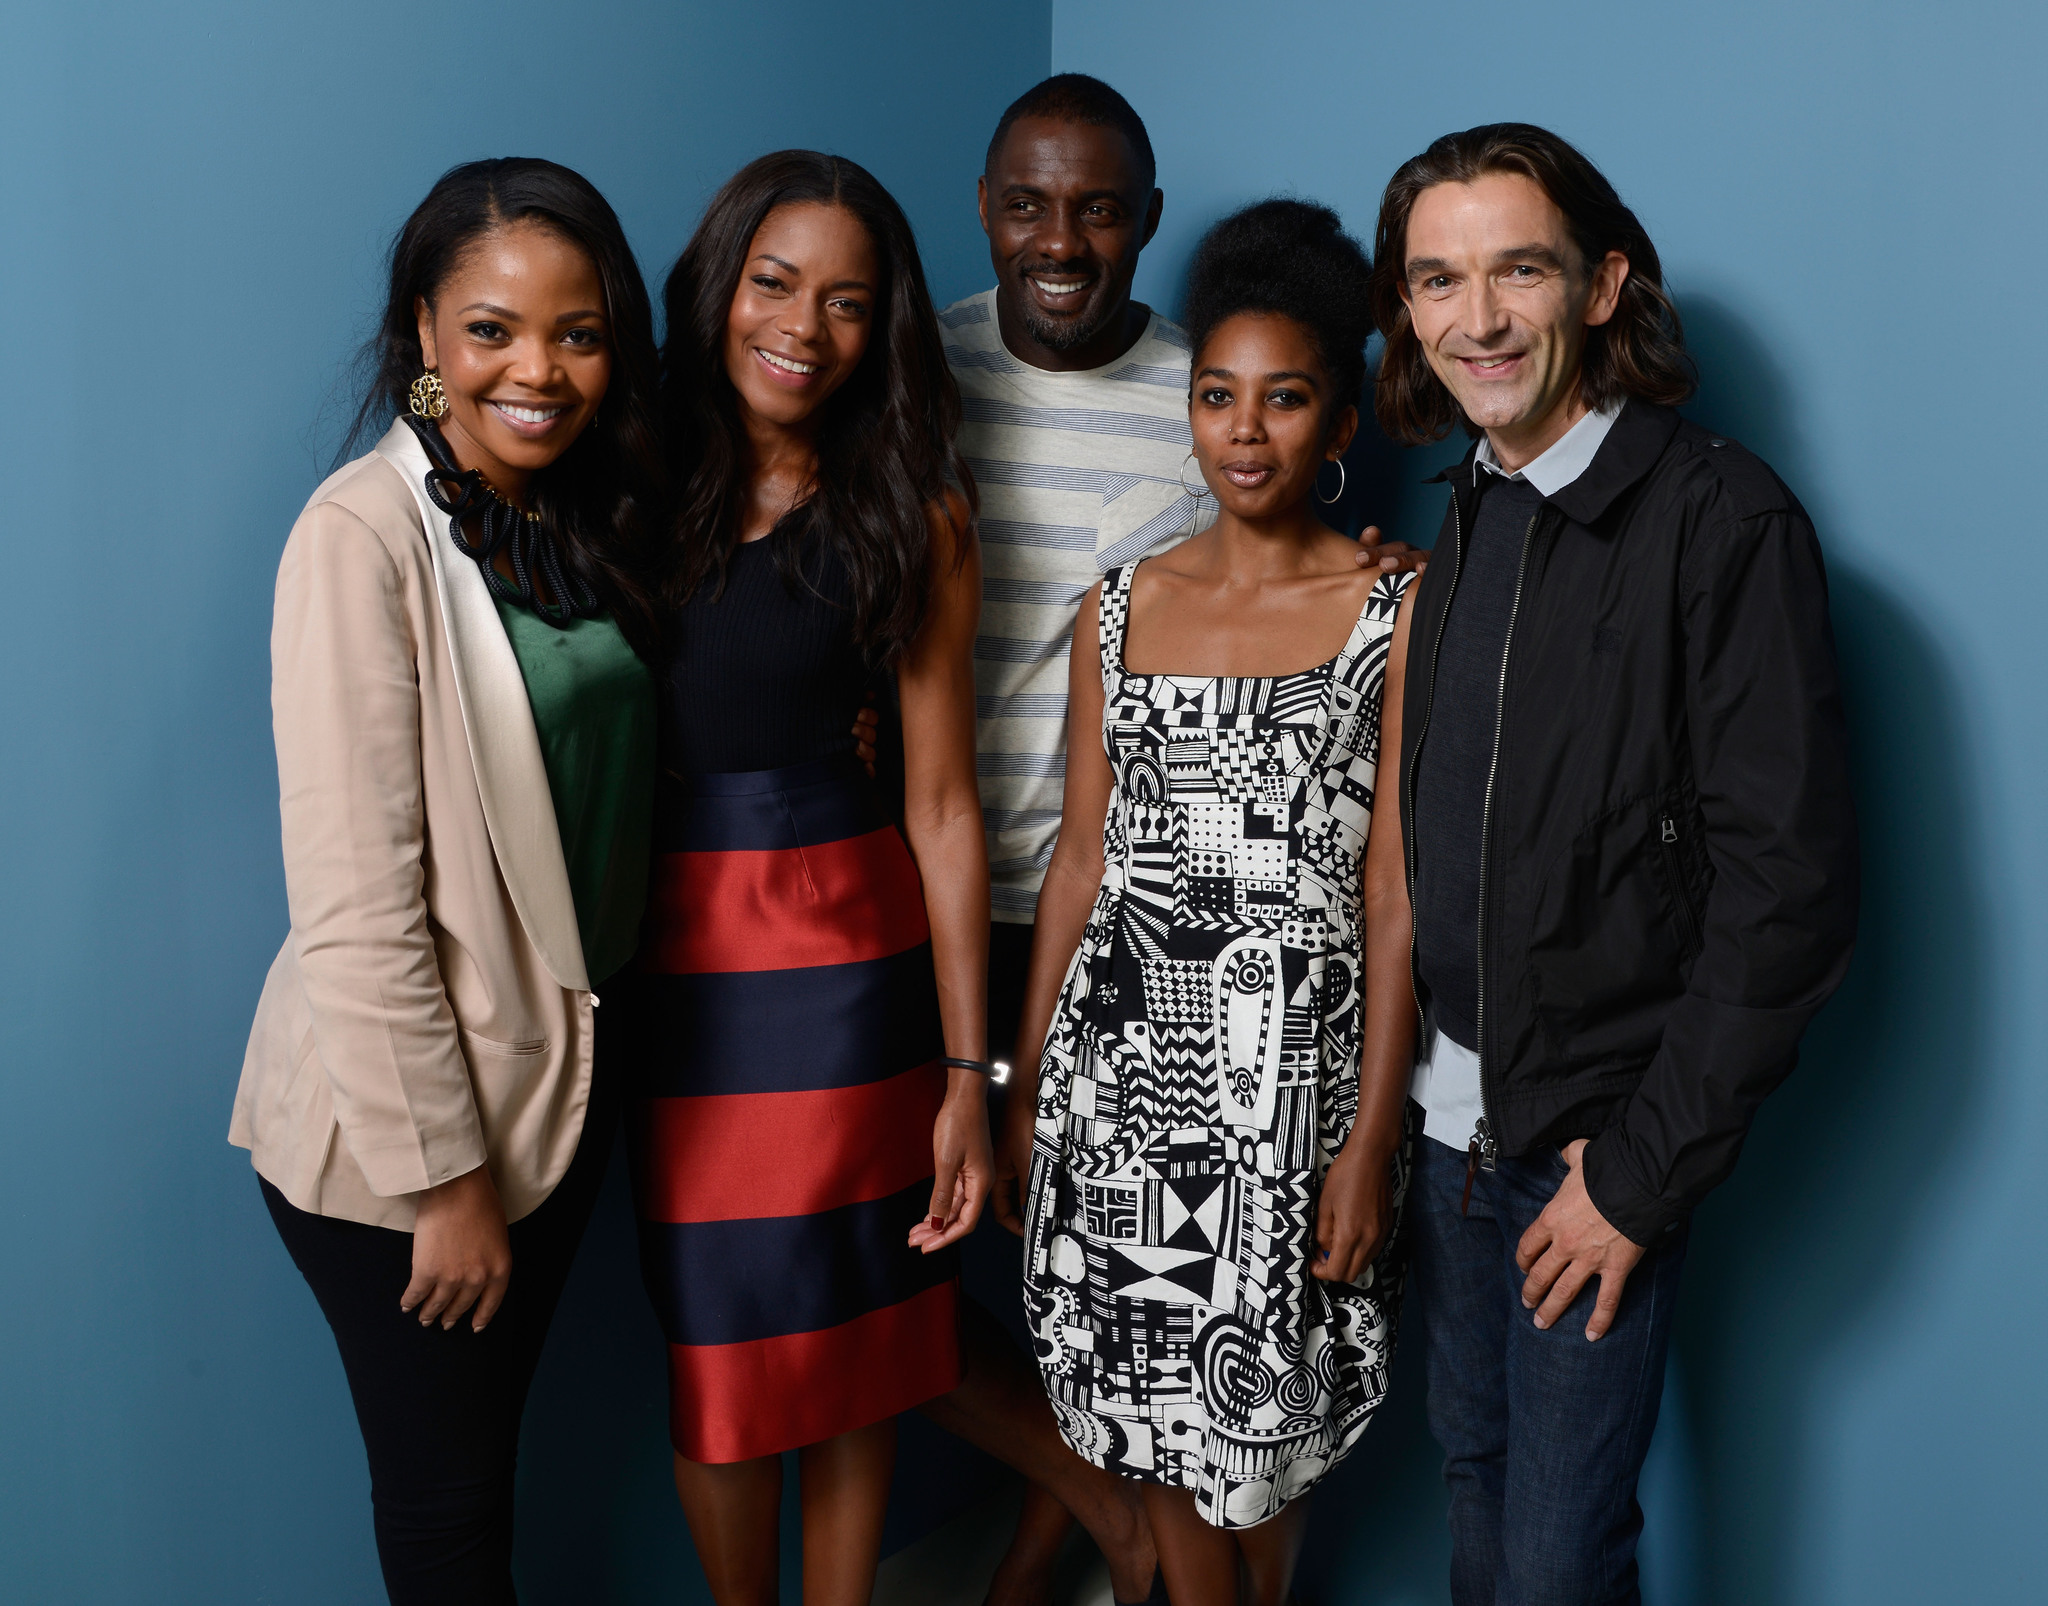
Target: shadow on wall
{"x": 1798, "y": 1254}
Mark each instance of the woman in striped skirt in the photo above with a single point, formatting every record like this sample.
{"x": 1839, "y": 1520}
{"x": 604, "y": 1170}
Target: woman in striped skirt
{"x": 811, "y": 1135}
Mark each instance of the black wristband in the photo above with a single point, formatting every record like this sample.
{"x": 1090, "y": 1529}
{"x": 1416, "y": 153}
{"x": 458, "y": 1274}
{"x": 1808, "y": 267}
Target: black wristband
{"x": 997, "y": 1071}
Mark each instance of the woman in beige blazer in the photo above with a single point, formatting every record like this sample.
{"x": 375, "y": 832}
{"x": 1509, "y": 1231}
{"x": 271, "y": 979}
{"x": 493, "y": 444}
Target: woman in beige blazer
{"x": 465, "y": 754}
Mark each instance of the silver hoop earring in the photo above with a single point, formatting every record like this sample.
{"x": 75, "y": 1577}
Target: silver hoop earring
{"x": 1195, "y": 495}
{"x": 1329, "y": 500}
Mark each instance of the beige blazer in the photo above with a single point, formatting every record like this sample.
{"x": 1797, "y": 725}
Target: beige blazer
{"x": 429, "y": 1011}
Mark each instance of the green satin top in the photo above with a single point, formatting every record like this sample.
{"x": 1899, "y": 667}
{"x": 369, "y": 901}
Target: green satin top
{"x": 593, "y": 705}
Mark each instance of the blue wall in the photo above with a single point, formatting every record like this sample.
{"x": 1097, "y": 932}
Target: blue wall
{"x": 195, "y": 198}
{"x": 1849, "y": 209}
{"x": 1849, "y": 205}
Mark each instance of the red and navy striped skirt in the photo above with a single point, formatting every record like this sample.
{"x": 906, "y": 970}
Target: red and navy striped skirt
{"x": 784, "y": 1027}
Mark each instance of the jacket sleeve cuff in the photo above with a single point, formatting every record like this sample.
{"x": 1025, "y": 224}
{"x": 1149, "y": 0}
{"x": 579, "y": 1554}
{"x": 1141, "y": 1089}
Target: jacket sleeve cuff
{"x": 430, "y": 1159}
{"x": 1636, "y": 1212}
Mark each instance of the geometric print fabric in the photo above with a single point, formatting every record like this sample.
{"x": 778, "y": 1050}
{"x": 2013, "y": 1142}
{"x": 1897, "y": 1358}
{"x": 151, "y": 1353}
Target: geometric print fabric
{"x": 1200, "y": 1076}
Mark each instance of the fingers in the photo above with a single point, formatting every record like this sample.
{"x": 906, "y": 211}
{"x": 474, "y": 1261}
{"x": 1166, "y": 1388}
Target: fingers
{"x": 467, "y": 1293}
{"x": 439, "y": 1298}
{"x": 1344, "y": 1245}
{"x": 865, "y": 727}
{"x": 1542, "y": 1272}
{"x": 493, "y": 1296}
{"x": 1569, "y": 1279}
{"x": 926, "y": 1235}
{"x": 442, "y": 1297}
{"x": 963, "y": 1221}
{"x": 970, "y": 1198}
{"x": 1540, "y": 1236}
{"x": 1608, "y": 1304}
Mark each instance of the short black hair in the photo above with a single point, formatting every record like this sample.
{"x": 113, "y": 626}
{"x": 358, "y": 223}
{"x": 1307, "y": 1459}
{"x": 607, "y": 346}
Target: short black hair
{"x": 1292, "y": 258}
{"x": 1074, "y": 97}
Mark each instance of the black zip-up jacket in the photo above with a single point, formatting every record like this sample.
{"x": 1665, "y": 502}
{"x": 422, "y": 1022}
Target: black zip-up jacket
{"x": 1668, "y": 880}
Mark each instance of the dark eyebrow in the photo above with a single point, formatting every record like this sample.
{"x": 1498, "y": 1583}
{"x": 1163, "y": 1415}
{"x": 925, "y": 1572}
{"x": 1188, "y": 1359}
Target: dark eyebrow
{"x": 1273, "y": 378}
{"x": 791, "y": 267}
{"x": 1102, "y": 192}
{"x": 587, "y": 312}
{"x": 495, "y": 311}
{"x": 1531, "y": 253}
{"x": 1423, "y": 267}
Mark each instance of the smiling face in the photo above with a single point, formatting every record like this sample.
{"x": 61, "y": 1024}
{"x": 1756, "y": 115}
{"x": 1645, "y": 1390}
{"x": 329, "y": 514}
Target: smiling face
{"x": 518, "y": 334}
{"x": 1067, "y": 209}
{"x": 802, "y": 312}
{"x": 1501, "y": 300}
{"x": 1261, "y": 414}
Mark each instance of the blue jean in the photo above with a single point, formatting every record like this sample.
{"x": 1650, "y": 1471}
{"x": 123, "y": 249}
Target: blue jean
{"x": 1543, "y": 1433}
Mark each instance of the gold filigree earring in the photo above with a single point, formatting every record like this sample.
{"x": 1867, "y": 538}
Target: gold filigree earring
{"x": 429, "y": 400}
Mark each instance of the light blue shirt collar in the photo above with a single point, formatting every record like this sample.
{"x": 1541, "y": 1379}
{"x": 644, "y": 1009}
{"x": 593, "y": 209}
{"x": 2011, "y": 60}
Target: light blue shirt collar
{"x": 1569, "y": 456}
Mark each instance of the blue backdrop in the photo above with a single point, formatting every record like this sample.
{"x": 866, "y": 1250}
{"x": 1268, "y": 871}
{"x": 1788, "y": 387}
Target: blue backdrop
{"x": 195, "y": 202}
{"x": 1847, "y": 199}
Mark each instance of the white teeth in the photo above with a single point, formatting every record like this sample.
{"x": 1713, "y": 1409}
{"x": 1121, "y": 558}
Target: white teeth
{"x": 792, "y": 367}
{"x": 529, "y": 415}
{"x": 1060, "y": 287}
{"x": 1489, "y": 362}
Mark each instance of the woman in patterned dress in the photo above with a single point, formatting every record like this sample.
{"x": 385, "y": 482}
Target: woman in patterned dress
{"x": 1212, "y": 1188}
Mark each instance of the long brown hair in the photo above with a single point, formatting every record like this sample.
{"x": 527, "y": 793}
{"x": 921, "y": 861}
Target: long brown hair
{"x": 886, "y": 447}
{"x": 1639, "y": 352}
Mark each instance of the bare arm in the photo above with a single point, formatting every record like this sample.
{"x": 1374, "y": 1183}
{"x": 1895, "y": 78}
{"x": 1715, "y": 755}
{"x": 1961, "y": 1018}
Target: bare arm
{"x": 942, "y": 821}
{"x": 1356, "y": 1205}
{"x": 1071, "y": 882}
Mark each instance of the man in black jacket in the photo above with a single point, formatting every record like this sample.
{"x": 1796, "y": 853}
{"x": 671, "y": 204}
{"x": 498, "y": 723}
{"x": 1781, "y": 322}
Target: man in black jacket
{"x": 1624, "y": 804}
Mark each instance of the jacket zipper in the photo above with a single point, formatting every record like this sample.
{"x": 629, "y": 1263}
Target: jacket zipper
{"x": 1667, "y": 839}
{"x": 1482, "y": 1149}
{"x": 1488, "y": 1149}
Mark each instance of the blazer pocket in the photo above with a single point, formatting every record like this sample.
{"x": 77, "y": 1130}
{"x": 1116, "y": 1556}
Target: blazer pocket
{"x": 492, "y": 1045}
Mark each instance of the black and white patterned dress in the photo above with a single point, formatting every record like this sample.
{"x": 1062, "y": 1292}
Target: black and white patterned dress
{"x": 1201, "y": 1074}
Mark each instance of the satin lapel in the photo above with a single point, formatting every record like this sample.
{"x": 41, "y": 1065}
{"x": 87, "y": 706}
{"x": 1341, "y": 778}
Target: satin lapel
{"x": 511, "y": 777}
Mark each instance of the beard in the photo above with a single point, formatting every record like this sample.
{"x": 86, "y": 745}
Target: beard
{"x": 1064, "y": 334}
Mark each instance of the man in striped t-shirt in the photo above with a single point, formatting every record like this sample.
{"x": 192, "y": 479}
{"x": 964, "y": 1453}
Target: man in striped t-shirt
{"x": 1076, "y": 426}
{"x": 1078, "y": 472}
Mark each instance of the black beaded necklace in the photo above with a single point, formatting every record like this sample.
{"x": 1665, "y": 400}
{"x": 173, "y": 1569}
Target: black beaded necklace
{"x": 520, "y": 535}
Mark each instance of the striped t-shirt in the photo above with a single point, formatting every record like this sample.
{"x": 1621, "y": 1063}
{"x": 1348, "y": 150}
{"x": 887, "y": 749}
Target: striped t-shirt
{"x": 1078, "y": 472}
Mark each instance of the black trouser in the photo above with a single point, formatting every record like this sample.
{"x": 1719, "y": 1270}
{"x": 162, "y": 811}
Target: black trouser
{"x": 440, "y": 1410}
{"x": 991, "y": 1267}
{"x": 1009, "y": 967}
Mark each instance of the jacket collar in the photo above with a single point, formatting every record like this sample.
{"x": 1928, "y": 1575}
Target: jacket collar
{"x": 1630, "y": 451}
{"x": 504, "y": 747}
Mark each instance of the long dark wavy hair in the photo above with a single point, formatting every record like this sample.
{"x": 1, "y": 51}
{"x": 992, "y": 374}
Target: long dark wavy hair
{"x": 1639, "y": 352}
{"x": 886, "y": 439}
{"x": 601, "y": 500}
